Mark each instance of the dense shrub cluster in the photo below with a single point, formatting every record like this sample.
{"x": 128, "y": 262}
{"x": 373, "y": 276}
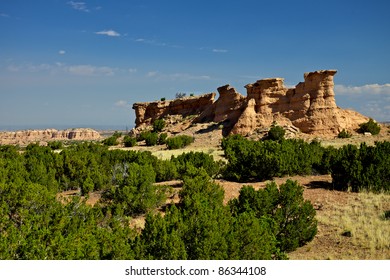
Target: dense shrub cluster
{"x": 258, "y": 225}
{"x": 36, "y": 224}
{"x": 351, "y": 167}
{"x": 186, "y": 163}
{"x": 362, "y": 168}
{"x": 179, "y": 142}
{"x": 260, "y": 160}
{"x": 294, "y": 222}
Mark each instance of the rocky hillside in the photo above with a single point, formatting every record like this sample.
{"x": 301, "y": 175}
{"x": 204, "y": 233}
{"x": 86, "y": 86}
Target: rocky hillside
{"x": 310, "y": 107}
{"x": 23, "y": 137}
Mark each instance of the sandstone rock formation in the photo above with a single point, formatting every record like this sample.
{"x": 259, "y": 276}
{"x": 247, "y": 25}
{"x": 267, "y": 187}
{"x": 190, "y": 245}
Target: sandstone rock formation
{"x": 147, "y": 112}
{"x": 310, "y": 107}
{"x": 28, "y": 136}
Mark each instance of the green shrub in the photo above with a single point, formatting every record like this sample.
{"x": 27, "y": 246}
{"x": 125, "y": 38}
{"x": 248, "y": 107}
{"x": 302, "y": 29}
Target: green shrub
{"x": 162, "y": 99}
{"x": 276, "y": 133}
{"x": 55, "y": 145}
{"x": 294, "y": 222}
{"x": 362, "y": 168}
{"x": 179, "y": 142}
{"x": 134, "y": 192}
{"x": 117, "y": 134}
{"x": 129, "y": 141}
{"x": 197, "y": 160}
{"x": 151, "y": 138}
{"x": 158, "y": 125}
{"x": 386, "y": 215}
{"x": 162, "y": 138}
{"x": 166, "y": 170}
{"x": 261, "y": 160}
{"x": 344, "y": 134}
{"x": 370, "y": 126}
{"x": 111, "y": 141}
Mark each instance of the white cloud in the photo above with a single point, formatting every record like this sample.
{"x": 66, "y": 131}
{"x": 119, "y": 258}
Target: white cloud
{"x": 80, "y": 6}
{"x": 122, "y": 104}
{"x": 110, "y": 33}
{"x": 365, "y": 89}
{"x": 372, "y": 100}
{"x": 132, "y": 70}
{"x": 220, "y": 50}
{"x": 4, "y": 15}
{"x": 61, "y": 52}
{"x": 151, "y": 74}
{"x": 90, "y": 70}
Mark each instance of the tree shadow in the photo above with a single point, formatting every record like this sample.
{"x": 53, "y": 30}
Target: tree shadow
{"x": 320, "y": 185}
{"x": 208, "y": 129}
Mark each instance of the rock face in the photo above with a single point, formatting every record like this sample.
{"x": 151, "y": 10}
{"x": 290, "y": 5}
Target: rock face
{"x": 28, "y": 136}
{"x": 147, "y": 112}
{"x": 310, "y": 107}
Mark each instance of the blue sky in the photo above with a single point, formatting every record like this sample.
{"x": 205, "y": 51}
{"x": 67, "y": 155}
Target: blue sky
{"x": 77, "y": 63}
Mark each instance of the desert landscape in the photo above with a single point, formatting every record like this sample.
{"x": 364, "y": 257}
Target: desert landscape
{"x": 351, "y": 225}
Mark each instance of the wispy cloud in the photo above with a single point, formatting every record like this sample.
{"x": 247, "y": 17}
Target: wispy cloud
{"x": 155, "y": 43}
{"x": 4, "y": 15}
{"x": 186, "y": 76}
{"x": 220, "y": 50}
{"x": 365, "y": 89}
{"x": 110, "y": 33}
{"x": 62, "y": 68}
{"x": 372, "y": 100}
{"x": 13, "y": 68}
{"x": 151, "y": 74}
{"x": 176, "y": 76}
{"x": 61, "y": 52}
{"x": 90, "y": 70}
{"x": 80, "y": 6}
{"x": 122, "y": 104}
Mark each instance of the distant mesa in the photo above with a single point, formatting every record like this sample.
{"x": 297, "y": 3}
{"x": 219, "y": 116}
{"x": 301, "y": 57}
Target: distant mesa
{"x": 309, "y": 107}
{"x": 27, "y": 136}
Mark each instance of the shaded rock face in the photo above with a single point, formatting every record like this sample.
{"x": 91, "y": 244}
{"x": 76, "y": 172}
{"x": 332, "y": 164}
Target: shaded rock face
{"x": 28, "y": 136}
{"x": 310, "y": 106}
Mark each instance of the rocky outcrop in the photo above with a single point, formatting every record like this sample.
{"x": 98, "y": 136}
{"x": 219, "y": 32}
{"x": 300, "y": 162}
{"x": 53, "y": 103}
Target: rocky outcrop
{"x": 310, "y": 107}
{"x": 147, "y": 112}
{"x": 28, "y": 136}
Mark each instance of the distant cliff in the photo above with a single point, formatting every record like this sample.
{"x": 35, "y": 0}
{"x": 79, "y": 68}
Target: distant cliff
{"x": 28, "y": 136}
{"x": 310, "y": 107}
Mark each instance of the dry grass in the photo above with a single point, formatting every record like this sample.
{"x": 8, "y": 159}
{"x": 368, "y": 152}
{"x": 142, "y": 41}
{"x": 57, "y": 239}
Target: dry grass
{"x": 362, "y": 219}
{"x": 354, "y": 228}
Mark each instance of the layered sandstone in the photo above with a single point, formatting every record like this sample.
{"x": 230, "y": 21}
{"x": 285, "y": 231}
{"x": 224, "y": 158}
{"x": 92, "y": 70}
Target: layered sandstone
{"x": 310, "y": 107}
{"x": 147, "y": 112}
{"x": 28, "y": 136}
